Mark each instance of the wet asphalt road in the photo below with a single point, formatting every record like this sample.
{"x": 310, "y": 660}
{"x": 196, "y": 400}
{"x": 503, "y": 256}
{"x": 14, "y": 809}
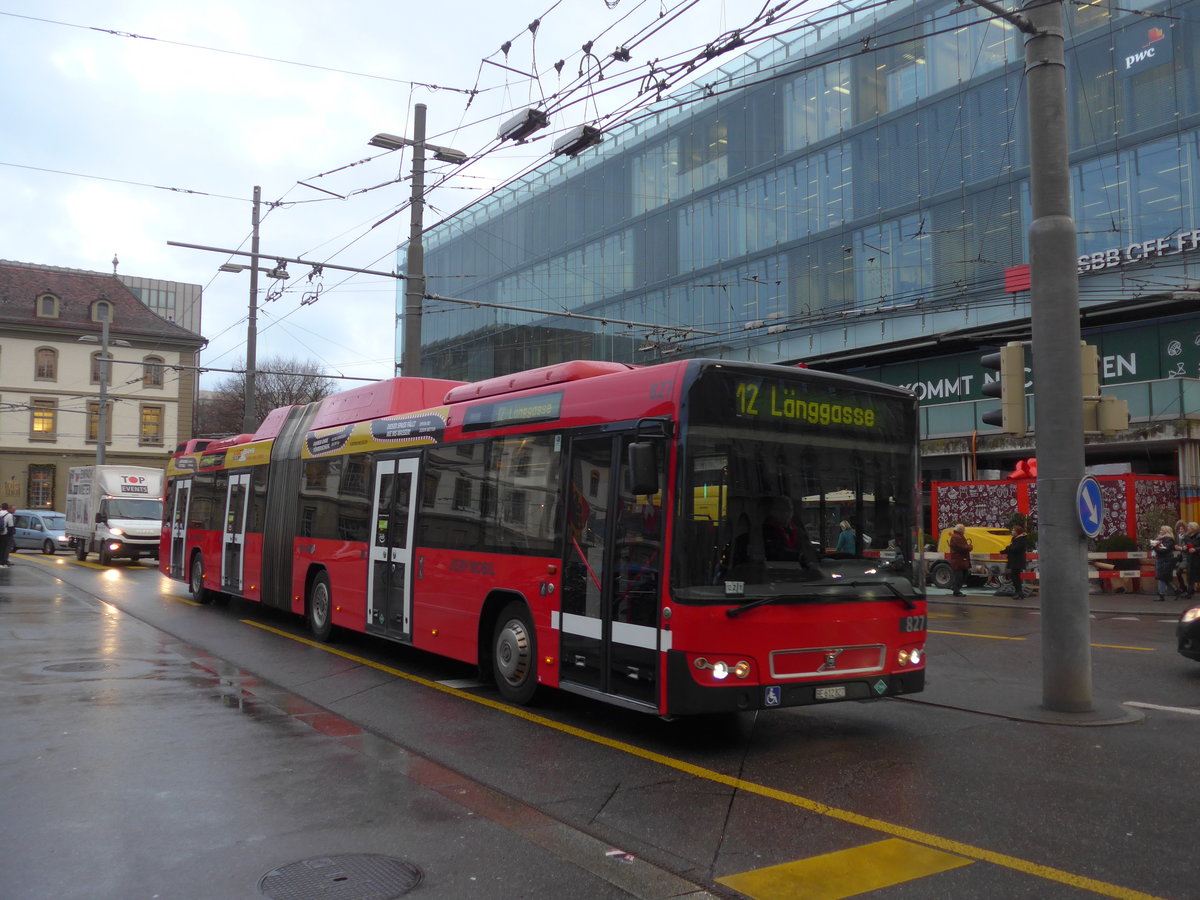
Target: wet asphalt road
{"x": 155, "y": 748}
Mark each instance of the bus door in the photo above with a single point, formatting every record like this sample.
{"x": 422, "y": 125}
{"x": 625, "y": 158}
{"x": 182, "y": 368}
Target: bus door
{"x": 389, "y": 580}
{"x": 179, "y": 519}
{"x": 234, "y": 543}
{"x": 611, "y": 576}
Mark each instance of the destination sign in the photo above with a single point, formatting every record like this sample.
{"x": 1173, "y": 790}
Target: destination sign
{"x": 778, "y": 401}
{"x": 542, "y": 408}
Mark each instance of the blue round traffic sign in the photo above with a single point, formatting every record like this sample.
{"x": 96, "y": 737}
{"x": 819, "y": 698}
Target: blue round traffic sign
{"x": 1090, "y": 505}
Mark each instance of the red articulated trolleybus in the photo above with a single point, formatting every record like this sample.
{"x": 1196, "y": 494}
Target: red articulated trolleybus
{"x": 692, "y": 537}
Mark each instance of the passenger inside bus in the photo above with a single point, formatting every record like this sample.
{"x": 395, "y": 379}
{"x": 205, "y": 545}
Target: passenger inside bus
{"x": 781, "y": 534}
{"x": 782, "y": 538}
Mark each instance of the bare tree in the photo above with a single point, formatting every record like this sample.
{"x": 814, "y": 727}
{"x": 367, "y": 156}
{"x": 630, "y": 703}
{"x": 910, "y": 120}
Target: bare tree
{"x": 277, "y": 382}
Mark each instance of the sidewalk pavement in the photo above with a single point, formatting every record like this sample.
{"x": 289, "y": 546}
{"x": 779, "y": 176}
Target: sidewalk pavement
{"x": 135, "y": 765}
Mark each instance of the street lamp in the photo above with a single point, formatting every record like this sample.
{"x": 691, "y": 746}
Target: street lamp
{"x": 102, "y": 415}
{"x": 280, "y": 270}
{"x": 414, "y": 288}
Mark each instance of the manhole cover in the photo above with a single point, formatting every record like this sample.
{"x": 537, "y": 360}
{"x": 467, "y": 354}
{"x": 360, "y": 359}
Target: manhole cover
{"x": 362, "y": 876}
{"x": 79, "y": 667}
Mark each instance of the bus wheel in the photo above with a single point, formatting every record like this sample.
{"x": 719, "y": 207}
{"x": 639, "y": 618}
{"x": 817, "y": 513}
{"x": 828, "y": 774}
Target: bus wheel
{"x": 196, "y": 587}
{"x": 514, "y": 654}
{"x": 319, "y": 608}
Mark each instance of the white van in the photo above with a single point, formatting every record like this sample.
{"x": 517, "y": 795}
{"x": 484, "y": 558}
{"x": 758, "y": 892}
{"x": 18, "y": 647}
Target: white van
{"x": 40, "y": 529}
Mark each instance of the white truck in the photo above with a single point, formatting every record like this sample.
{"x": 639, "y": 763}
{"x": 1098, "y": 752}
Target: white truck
{"x": 115, "y": 511}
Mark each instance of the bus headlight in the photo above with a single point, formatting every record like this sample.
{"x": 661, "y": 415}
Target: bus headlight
{"x": 721, "y": 670}
{"x": 911, "y": 656}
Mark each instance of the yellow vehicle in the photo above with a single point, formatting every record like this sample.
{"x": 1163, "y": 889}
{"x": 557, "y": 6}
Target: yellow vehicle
{"x": 983, "y": 541}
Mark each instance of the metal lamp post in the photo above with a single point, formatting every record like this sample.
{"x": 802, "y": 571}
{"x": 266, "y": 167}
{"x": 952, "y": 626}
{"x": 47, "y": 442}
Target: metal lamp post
{"x": 414, "y": 290}
{"x": 102, "y": 414}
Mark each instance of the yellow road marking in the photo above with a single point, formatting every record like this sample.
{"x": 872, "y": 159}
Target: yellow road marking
{"x": 990, "y": 637}
{"x": 1000, "y": 637}
{"x": 1122, "y": 647}
{"x": 845, "y": 873}
{"x": 61, "y": 559}
{"x": 937, "y": 842}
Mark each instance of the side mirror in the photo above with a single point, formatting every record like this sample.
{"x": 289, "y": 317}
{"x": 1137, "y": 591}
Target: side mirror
{"x": 643, "y": 468}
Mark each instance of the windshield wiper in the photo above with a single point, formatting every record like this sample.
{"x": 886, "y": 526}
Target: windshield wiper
{"x": 763, "y": 601}
{"x": 906, "y": 600}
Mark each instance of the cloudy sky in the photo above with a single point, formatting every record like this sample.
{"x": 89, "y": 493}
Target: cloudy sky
{"x": 131, "y": 123}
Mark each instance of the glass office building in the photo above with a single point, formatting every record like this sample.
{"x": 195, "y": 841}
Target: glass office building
{"x": 857, "y": 197}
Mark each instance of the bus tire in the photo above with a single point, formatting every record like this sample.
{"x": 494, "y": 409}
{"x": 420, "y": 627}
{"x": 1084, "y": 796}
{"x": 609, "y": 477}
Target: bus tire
{"x": 319, "y": 608}
{"x": 514, "y": 654}
{"x": 196, "y": 587}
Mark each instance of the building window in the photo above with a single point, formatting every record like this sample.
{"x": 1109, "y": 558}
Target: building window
{"x": 152, "y": 371}
{"x": 93, "y": 422}
{"x": 151, "y": 431}
{"x": 704, "y": 154}
{"x": 816, "y": 105}
{"x": 102, "y": 311}
{"x": 47, "y": 306}
{"x": 43, "y": 425}
{"x": 96, "y": 368}
{"x": 41, "y": 487}
{"x": 46, "y": 364}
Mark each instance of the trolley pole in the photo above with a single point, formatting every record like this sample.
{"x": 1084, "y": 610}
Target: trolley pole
{"x": 1058, "y": 389}
{"x": 249, "y": 409}
{"x": 414, "y": 286}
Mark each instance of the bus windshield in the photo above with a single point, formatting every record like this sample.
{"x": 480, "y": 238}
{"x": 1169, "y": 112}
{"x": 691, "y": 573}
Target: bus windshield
{"x": 794, "y": 486}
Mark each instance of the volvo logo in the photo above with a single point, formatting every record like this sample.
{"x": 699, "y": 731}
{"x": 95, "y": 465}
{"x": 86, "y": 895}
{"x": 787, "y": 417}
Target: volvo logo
{"x": 831, "y": 658}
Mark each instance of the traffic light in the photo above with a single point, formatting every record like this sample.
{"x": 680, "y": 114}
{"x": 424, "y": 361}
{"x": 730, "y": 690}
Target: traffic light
{"x": 1106, "y": 415}
{"x": 1009, "y": 362}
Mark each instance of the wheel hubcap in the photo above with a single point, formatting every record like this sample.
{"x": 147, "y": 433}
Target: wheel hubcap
{"x": 320, "y": 606}
{"x": 512, "y": 652}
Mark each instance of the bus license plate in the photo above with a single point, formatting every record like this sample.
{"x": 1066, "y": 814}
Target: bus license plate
{"x": 836, "y": 692}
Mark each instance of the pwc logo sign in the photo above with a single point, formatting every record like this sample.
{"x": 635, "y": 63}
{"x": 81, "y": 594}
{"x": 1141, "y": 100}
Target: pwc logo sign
{"x": 1144, "y": 48}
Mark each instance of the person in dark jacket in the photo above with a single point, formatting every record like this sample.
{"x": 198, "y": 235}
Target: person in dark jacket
{"x": 1163, "y": 548}
{"x": 960, "y": 559}
{"x": 1015, "y": 551}
{"x": 1191, "y": 555}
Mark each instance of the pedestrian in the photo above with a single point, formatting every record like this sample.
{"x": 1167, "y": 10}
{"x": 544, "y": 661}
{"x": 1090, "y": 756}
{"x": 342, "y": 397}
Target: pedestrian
{"x": 960, "y": 558}
{"x": 1163, "y": 548}
{"x": 1181, "y": 582}
{"x": 845, "y": 541}
{"x": 1191, "y": 554}
{"x": 1015, "y": 551}
{"x": 7, "y": 523}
